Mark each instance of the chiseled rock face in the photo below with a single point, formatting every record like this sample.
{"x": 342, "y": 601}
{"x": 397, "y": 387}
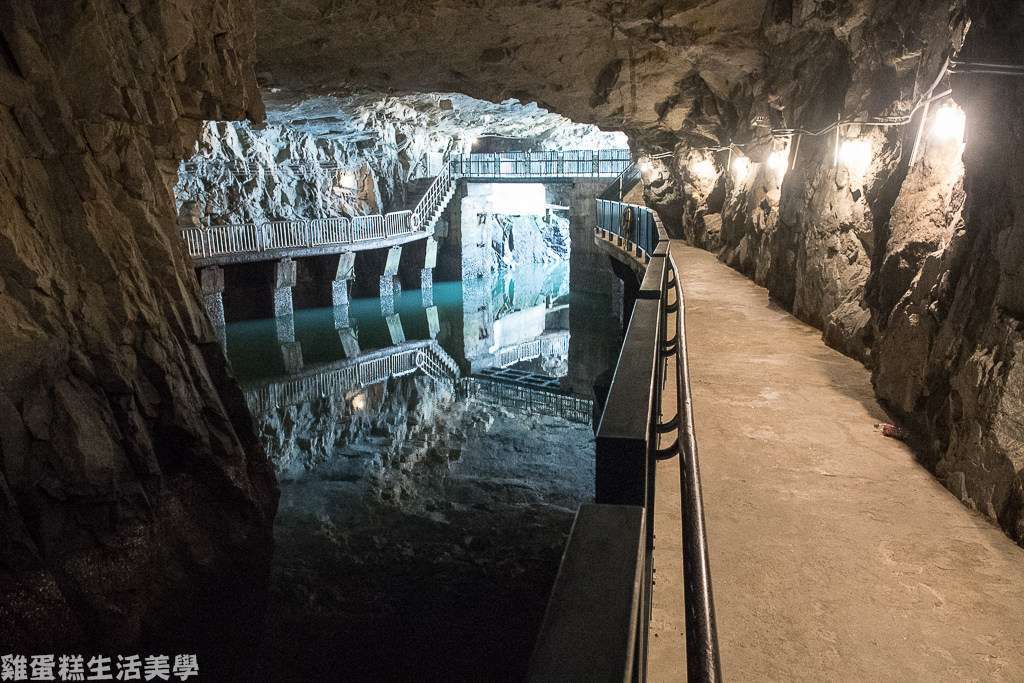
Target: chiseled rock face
{"x": 135, "y": 502}
{"x": 974, "y": 382}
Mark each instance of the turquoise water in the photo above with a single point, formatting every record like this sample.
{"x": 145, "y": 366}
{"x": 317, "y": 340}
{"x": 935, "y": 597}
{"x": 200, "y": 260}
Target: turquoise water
{"x": 254, "y": 347}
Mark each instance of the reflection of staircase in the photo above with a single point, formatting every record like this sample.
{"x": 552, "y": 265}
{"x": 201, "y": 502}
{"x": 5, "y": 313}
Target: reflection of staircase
{"x": 437, "y": 364}
{"x": 528, "y": 399}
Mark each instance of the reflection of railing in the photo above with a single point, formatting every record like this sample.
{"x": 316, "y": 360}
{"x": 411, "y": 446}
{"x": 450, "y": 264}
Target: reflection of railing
{"x": 603, "y": 163}
{"x": 632, "y": 223}
{"x": 339, "y": 378}
{"x": 548, "y": 345}
{"x": 529, "y": 399}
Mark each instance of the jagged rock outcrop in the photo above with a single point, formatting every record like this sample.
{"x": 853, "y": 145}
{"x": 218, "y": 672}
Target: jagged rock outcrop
{"x": 135, "y": 502}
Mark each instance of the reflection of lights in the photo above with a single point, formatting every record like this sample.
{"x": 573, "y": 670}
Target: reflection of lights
{"x": 704, "y": 169}
{"x": 855, "y": 155}
{"x": 740, "y": 167}
{"x": 359, "y": 402}
{"x": 949, "y": 123}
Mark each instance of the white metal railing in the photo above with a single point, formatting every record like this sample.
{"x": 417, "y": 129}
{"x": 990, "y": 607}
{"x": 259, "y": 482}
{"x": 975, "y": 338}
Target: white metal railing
{"x": 246, "y": 238}
{"x": 435, "y": 199}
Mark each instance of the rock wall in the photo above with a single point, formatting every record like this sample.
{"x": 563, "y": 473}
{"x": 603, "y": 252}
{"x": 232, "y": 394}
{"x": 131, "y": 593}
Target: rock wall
{"x": 910, "y": 267}
{"x": 242, "y": 175}
{"x": 135, "y": 502}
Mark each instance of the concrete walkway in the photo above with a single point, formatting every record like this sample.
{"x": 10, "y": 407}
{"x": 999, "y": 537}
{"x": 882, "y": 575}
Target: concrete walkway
{"x": 834, "y": 555}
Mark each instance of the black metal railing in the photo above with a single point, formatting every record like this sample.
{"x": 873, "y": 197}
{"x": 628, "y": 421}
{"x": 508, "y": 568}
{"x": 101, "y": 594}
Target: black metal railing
{"x": 636, "y": 224}
{"x": 632, "y": 428}
{"x": 623, "y": 183}
{"x": 598, "y": 163}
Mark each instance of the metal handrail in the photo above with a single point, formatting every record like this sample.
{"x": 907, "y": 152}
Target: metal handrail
{"x": 244, "y": 238}
{"x": 605, "y": 163}
{"x": 644, "y": 234}
{"x": 627, "y": 449}
{"x": 702, "y": 657}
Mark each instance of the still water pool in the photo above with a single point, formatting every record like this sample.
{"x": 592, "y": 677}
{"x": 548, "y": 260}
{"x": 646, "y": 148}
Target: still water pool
{"x": 423, "y": 512}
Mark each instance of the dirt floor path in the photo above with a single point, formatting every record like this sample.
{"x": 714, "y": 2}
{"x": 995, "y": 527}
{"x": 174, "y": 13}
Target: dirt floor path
{"x": 835, "y": 556}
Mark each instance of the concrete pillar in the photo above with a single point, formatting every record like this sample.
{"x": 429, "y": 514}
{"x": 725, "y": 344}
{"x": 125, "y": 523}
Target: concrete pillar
{"x": 341, "y": 318}
{"x": 390, "y": 286}
{"x": 427, "y": 274}
{"x": 433, "y": 322}
{"x": 346, "y": 271}
{"x": 212, "y": 282}
{"x": 291, "y": 350}
{"x": 395, "y": 329}
{"x": 285, "y": 277}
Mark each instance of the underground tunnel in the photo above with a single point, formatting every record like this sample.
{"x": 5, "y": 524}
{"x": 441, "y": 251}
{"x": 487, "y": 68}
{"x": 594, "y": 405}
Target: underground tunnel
{"x": 316, "y": 320}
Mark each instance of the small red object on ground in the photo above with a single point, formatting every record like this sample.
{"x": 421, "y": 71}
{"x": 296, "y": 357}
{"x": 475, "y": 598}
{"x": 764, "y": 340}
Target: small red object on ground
{"x": 893, "y": 431}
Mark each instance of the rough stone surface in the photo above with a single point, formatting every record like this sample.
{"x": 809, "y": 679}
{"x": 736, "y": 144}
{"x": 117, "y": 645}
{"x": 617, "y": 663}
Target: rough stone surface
{"x": 135, "y": 501}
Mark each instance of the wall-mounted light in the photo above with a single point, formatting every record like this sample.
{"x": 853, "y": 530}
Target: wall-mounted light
{"x": 855, "y": 154}
{"x": 949, "y": 123}
{"x": 740, "y": 168}
{"x": 359, "y": 402}
{"x": 704, "y": 169}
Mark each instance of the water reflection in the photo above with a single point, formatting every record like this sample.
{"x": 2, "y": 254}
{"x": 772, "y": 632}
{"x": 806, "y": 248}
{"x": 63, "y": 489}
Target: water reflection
{"x": 423, "y": 511}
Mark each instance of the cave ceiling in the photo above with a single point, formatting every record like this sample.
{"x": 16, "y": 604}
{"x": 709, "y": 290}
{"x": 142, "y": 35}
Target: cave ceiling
{"x": 661, "y": 71}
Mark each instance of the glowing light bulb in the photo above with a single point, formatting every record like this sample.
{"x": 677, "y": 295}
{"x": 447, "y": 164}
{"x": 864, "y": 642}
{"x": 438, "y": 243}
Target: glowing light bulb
{"x": 949, "y": 123}
{"x": 855, "y": 155}
{"x": 359, "y": 401}
{"x": 704, "y": 169}
{"x": 776, "y": 160}
{"x": 473, "y": 140}
{"x": 645, "y": 167}
{"x": 740, "y": 167}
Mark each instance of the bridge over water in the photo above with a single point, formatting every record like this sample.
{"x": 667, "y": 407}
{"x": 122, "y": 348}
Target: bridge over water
{"x": 280, "y": 242}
